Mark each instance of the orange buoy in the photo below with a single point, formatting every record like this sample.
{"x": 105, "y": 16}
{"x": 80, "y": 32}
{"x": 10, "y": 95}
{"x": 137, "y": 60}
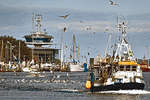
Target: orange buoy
{"x": 88, "y": 84}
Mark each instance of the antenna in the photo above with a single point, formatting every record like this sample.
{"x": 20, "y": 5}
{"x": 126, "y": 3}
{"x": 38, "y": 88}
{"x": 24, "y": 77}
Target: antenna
{"x": 38, "y": 19}
{"x": 19, "y": 52}
{"x": 78, "y": 53}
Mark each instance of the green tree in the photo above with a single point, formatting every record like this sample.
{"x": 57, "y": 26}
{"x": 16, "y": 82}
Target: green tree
{"x": 11, "y": 47}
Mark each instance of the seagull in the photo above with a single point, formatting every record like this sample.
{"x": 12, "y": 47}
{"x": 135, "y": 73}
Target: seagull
{"x": 89, "y": 28}
{"x": 113, "y": 3}
{"x": 65, "y": 29}
{"x": 65, "y": 16}
{"x": 94, "y": 32}
{"x": 106, "y": 30}
{"x": 58, "y": 76}
{"x": 81, "y": 21}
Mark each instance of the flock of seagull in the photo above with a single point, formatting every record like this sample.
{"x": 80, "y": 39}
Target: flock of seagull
{"x": 89, "y": 27}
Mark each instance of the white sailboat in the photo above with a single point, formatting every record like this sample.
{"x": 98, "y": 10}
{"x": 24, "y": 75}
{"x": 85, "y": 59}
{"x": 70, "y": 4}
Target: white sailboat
{"x": 75, "y": 65}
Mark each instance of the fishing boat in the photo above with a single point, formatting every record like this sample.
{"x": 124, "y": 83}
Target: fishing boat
{"x": 119, "y": 71}
{"x": 75, "y": 65}
{"x": 145, "y": 68}
{"x": 144, "y": 63}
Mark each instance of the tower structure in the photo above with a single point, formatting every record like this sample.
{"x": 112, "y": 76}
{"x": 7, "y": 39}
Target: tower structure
{"x": 41, "y": 42}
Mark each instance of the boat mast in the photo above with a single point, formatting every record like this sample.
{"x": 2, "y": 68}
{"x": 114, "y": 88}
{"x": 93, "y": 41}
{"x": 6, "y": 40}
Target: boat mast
{"x": 62, "y": 51}
{"x": 1, "y": 60}
{"x": 78, "y": 53}
{"x": 74, "y": 47}
{"x": 147, "y": 49}
{"x": 19, "y": 51}
{"x": 107, "y": 51}
{"x": 33, "y": 18}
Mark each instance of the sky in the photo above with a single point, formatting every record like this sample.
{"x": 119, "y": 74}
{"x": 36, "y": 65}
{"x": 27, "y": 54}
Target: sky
{"x": 98, "y": 15}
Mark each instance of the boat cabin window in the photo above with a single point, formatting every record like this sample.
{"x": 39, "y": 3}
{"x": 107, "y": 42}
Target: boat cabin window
{"x": 118, "y": 81}
{"x": 134, "y": 68}
{"x": 121, "y": 68}
{"x": 128, "y": 68}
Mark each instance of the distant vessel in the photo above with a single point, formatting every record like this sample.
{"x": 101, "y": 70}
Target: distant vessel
{"x": 118, "y": 71}
{"x": 144, "y": 63}
{"x": 75, "y": 65}
{"x": 26, "y": 69}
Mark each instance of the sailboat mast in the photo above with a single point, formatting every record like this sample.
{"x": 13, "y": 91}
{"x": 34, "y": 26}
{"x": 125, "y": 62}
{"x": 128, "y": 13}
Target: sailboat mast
{"x": 73, "y": 47}
{"x": 33, "y": 20}
{"x": 62, "y": 50}
{"x": 78, "y": 53}
{"x": 107, "y": 51}
{"x": 19, "y": 51}
{"x": 2, "y": 52}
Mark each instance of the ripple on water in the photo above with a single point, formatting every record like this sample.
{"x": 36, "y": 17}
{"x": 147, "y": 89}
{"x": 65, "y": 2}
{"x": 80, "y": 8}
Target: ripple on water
{"x": 68, "y": 87}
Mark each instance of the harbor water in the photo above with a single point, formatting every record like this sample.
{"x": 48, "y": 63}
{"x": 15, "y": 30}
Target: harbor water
{"x": 60, "y": 86}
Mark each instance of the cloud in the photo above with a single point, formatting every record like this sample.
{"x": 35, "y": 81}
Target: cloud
{"x": 19, "y": 19}
{"x": 139, "y": 26}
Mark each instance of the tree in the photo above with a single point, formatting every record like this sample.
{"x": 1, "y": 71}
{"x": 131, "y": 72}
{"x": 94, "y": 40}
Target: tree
{"x": 9, "y": 49}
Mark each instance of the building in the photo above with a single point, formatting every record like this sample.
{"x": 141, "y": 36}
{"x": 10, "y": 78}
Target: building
{"x": 41, "y": 43}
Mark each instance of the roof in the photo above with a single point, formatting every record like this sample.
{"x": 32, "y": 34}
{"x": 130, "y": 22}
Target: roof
{"x": 39, "y": 36}
{"x": 127, "y": 63}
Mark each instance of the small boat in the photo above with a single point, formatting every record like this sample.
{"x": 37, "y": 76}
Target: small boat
{"x": 31, "y": 68}
{"x": 144, "y": 63}
{"x": 26, "y": 69}
{"x": 119, "y": 71}
{"x": 75, "y": 65}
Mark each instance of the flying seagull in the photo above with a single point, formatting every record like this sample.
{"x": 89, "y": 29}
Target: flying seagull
{"x": 81, "y": 21}
{"x": 113, "y": 3}
{"x": 65, "y": 16}
{"x": 94, "y": 32}
{"x": 88, "y": 28}
{"x": 65, "y": 29}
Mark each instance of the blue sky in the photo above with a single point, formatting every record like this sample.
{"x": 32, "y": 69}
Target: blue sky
{"x": 16, "y": 20}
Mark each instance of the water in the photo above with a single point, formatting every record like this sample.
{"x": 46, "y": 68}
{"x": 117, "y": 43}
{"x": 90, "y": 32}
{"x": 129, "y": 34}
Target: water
{"x": 60, "y": 86}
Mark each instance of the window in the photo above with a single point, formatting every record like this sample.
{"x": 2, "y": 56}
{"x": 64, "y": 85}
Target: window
{"x": 134, "y": 68}
{"x": 128, "y": 68}
{"x": 121, "y": 68}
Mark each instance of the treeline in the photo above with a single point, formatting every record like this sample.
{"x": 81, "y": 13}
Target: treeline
{"x": 9, "y": 49}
